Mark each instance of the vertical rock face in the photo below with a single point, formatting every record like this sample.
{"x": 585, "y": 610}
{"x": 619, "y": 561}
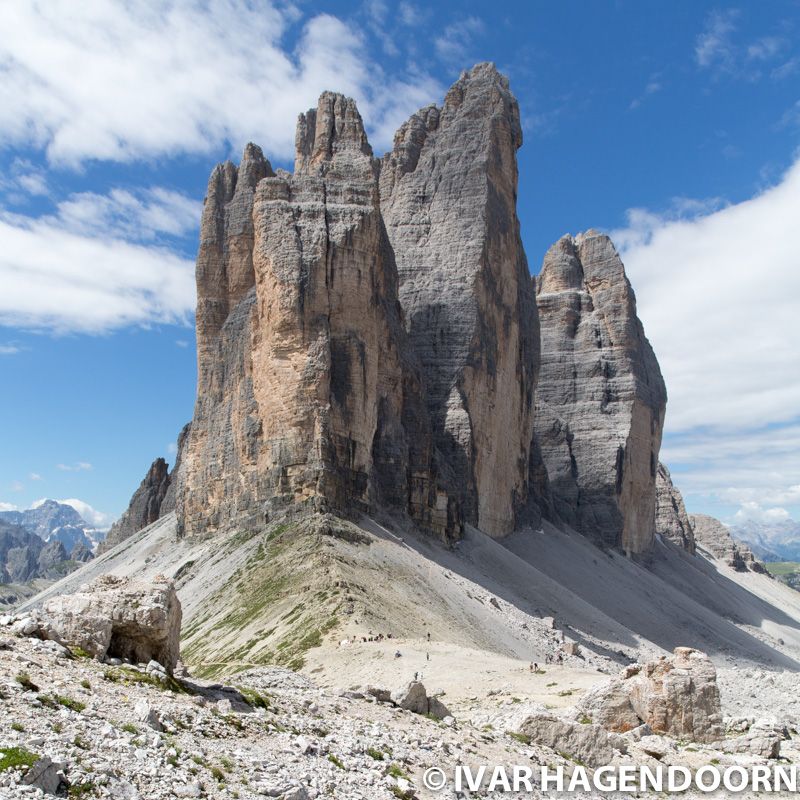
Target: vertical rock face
{"x": 218, "y": 481}
{"x": 144, "y": 508}
{"x": 308, "y": 394}
{"x": 448, "y": 198}
{"x": 601, "y": 397}
{"x": 715, "y": 538}
{"x": 672, "y": 521}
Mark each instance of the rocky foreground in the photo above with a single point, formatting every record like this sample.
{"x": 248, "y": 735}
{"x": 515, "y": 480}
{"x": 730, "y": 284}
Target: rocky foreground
{"x": 109, "y": 727}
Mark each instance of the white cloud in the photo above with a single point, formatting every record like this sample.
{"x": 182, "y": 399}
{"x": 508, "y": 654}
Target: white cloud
{"x": 17, "y": 486}
{"x": 765, "y": 48}
{"x": 94, "y": 517}
{"x": 786, "y": 69}
{"x": 24, "y": 180}
{"x": 454, "y": 43}
{"x": 78, "y": 466}
{"x": 713, "y": 45}
{"x": 9, "y": 349}
{"x": 106, "y": 79}
{"x": 34, "y": 476}
{"x": 64, "y": 280}
{"x": 653, "y": 86}
{"x": 718, "y": 296}
{"x": 791, "y": 117}
{"x": 752, "y": 511}
{"x": 8, "y": 507}
{"x": 412, "y": 15}
{"x": 717, "y": 288}
{"x": 138, "y": 214}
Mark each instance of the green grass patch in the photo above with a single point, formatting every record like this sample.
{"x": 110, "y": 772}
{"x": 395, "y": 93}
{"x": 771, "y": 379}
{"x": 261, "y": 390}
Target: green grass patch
{"x": 520, "y": 737}
{"x": 24, "y": 680}
{"x": 396, "y": 772}
{"x": 375, "y": 754}
{"x": 254, "y": 698}
{"x": 16, "y": 758}
{"x": 336, "y": 761}
{"x": 130, "y": 676}
{"x": 68, "y": 702}
{"x": 783, "y": 568}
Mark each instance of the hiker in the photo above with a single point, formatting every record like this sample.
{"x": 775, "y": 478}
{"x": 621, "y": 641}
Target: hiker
{"x": 416, "y": 676}
{"x": 429, "y": 636}
{"x": 427, "y": 656}
{"x": 397, "y": 654}
{"x": 530, "y": 668}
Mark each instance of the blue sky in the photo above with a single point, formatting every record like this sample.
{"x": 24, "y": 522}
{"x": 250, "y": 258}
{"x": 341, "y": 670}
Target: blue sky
{"x": 673, "y": 125}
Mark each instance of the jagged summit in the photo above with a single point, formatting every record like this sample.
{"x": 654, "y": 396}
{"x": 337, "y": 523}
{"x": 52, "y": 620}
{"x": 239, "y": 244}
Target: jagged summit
{"x": 369, "y": 340}
{"x": 601, "y": 399}
{"x": 333, "y": 128}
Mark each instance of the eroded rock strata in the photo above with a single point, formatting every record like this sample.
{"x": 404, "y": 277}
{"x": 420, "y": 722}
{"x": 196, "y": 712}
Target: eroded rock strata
{"x": 448, "y": 197}
{"x": 601, "y": 397}
{"x": 672, "y": 521}
{"x": 715, "y": 538}
{"x": 308, "y": 394}
{"x": 368, "y": 339}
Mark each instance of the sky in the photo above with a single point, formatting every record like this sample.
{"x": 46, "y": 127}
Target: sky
{"x": 674, "y": 126}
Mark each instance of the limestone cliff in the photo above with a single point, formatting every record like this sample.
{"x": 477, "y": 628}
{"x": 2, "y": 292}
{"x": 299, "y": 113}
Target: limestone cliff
{"x": 672, "y": 521}
{"x": 448, "y": 198}
{"x": 308, "y": 393}
{"x": 601, "y": 398}
{"x": 715, "y": 538}
{"x": 144, "y": 508}
{"x": 154, "y": 498}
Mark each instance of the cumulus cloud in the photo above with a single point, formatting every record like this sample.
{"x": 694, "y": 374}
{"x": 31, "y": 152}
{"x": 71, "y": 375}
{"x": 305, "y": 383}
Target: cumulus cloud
{"x": 717, "y": 289}
{"x": 65, "y": 274}
{"x": 94, "y": 517}
{"x": 9, "y": 349}
{"x": 754, "y": 512}
{"x": 106, "y": 79}
{"x": 78, "y": 466}
{"x": 718, "y": 295}
{"x": 8, "y": 507}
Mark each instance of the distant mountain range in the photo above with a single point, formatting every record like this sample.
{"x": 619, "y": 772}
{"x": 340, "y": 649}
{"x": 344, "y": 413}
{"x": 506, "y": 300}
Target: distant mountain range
{"x": 42, "y": 543}
{"x": 53, "y": 521}
{"x": 774, "y": 541}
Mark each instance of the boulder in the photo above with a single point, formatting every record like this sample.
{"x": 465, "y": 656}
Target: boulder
{"x": 586, "y": 743}
{"x": 413, "y": 697}
{"x": 762, "y": 741}
{"x": 47, "y": 776}
{"x": 117, "y": 617}
{"x": 675, "y": 695}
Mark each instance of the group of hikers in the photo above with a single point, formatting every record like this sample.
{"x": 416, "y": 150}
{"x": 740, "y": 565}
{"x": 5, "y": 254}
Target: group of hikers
{"x": 378, "y": 637}
{"x": 548, "y": 659}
